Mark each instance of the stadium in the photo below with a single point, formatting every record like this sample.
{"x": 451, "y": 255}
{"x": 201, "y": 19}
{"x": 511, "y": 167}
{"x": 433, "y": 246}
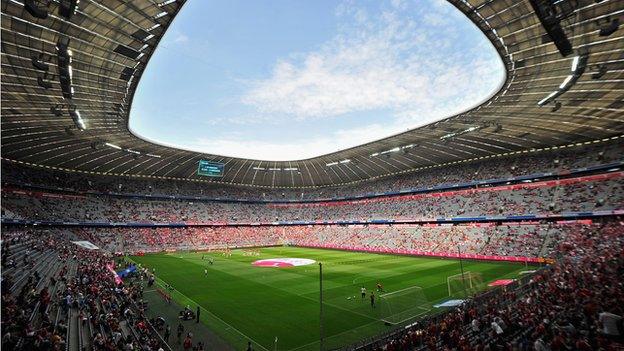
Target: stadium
{"x": 492, "y": 225}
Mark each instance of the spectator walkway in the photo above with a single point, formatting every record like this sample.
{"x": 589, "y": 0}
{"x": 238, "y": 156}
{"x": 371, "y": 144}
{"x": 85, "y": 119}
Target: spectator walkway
{"x": 158, "y": 307}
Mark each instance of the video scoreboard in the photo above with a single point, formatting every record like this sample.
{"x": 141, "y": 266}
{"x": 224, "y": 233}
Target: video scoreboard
{"x": 210, "y": 169}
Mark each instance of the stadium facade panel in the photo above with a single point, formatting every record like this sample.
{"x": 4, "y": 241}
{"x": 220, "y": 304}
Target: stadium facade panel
{"x": 77, "y": 119}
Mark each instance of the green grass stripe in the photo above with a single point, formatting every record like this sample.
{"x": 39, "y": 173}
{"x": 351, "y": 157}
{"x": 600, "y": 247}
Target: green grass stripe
{"x": 243, "y": 302}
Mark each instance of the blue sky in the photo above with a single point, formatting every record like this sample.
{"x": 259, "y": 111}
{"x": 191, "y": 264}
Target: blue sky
{"x": 287, "y": 80}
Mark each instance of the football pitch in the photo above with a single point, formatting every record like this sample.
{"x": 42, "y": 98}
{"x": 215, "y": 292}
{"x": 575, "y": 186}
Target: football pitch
{"x": 242, "y": 302}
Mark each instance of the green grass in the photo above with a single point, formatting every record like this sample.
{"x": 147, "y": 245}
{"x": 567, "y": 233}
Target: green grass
{"x": 241, "y": 302}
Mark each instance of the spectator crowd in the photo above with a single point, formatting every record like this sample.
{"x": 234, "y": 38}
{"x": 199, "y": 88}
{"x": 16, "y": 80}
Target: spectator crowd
{"x": 55, "y": 292}
{"x": 575, "y": 195}
{"x": 534, "y": 239}
{"x": 575, "y": 304}
{"x": 57, "y": 295}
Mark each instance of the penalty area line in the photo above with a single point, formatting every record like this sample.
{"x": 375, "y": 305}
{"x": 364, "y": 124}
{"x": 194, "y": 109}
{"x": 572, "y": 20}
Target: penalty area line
{"x": 398, "y": 291}
{"x": 335, "y": 335}
{"x": 408, "y": 318}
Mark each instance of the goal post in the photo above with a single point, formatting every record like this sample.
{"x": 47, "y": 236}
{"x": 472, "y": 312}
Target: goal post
{"x": 470, "y": 281}
{"x": 402, "y": 305}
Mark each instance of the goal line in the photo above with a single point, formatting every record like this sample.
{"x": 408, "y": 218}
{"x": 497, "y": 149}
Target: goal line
{"x": 395, "y": 321}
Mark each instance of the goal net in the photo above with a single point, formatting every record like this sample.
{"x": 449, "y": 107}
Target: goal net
{"x": 402, "y": 305}
{"x": 470, "y": 282}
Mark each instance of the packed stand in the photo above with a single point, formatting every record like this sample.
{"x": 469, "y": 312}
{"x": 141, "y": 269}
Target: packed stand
{"x": 577, "y": 195}
{"x": 508, "y": 240}
{"x": 33, "y": 278}
{"x": 575, "y": 304}
{"x": 59, "y": 296}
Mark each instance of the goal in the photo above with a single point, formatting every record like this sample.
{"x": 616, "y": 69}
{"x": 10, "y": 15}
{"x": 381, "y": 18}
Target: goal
{"x": 470, "y": 282}
{"x": 402, "y": 305}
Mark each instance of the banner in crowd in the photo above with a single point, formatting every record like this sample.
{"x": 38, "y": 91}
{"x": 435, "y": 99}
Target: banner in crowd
{"x": 123, "y": 273}
{"x": 450, "y": 303}
{"x": 86, "y": 244}
{"x": 111, "y": 268}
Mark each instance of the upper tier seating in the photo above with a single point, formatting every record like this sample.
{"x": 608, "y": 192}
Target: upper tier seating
{"x": 497, "y": 168}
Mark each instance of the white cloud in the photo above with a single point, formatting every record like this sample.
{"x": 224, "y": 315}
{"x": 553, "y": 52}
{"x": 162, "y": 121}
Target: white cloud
{"x": 399, "y": 4}
{"x": 435, "y": 19}
{"x": 181, "y": 38}
{"x": 239, "y": 120}
{"x": 393, "y": 63}
{"x": 239, "y": 146}
{"x": 405, "y": 60}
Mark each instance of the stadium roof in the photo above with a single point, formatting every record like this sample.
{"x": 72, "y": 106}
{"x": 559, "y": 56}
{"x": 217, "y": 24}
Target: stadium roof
{"x": 64, "y": 71}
